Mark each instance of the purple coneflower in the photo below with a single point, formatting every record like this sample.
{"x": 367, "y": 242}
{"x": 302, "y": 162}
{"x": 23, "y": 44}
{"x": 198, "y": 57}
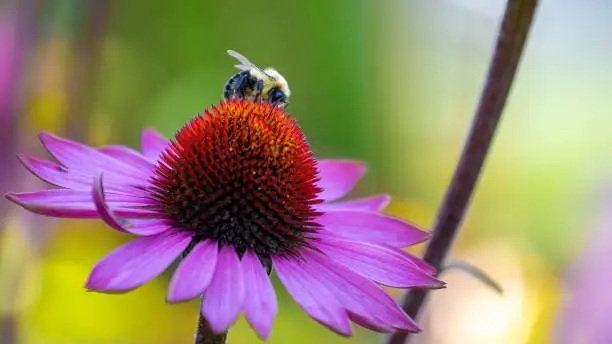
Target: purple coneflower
{"x": 236, "y": 194}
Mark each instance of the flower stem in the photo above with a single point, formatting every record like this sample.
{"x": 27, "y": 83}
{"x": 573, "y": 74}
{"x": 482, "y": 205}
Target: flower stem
{"x": 205, "y": 334}
{"x": 511, "y": 39}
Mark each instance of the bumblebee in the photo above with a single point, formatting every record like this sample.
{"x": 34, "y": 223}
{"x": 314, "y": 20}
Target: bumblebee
{"x": 254, "y": 83}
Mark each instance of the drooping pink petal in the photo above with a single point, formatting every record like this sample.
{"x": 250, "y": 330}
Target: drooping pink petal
{"x": 152, "y": 144}
{"x": 224, "y": 296}
{"x": 108, "y": 216}
{"x": 361, "y": 298}
{"x": 370, "y": 227}
{"x": 383, "y": 265}
{"x": 137, "y": 262}
{"x": 71, "y": 208}
{"x": 103, "y": 209}
{"x": 313, "y": 294}
{"x": 77, "y": 156}
{"x": 129, "y": 156}
{"x": 260, "y": 305}
{"x": 373, "y": 203}
{"x": 148, "y": 227}
{"x": 338, "y": 177}
{"x": 194, "y": 273}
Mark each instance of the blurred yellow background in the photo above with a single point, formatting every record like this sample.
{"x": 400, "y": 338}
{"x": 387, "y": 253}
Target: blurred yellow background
{"x": 389, "y": 82}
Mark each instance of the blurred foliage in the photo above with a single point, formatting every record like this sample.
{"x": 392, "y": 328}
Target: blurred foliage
{"x": 172, "y": 62}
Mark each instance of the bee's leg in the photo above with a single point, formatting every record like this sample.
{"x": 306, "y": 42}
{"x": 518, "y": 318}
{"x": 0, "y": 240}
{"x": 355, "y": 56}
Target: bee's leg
{"x": 258, "y": 90}
{"x": 240, "y": 84}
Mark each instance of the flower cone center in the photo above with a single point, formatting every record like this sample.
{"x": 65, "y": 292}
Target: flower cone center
{"x": 242, "y": 174}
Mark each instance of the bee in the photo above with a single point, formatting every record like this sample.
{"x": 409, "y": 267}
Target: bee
{"x": 254, "y": 83}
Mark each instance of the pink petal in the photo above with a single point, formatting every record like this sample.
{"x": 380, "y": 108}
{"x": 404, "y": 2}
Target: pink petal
{"x": 421, "y": 264}
{"x": 260, "y": 305}
{"x": 148, "y": 227}
{"x": 313, "y": 294}
{"x": 152, "y": 143}
{"x": 371, "y": 227}
{"x": 103, "y": 209}
{"x": 55, "y": 174}
{"x": 137, "y": 262}
{"x": 129, "y": 156}
{"x": 224, "y": 296}
{"x": 373, "y": 203}
{"x": 50, "y": 205}
{"x": 74, "y": 155}
{"x": 51, "y": 173}
{"x": 383, "y": 265}
{"x": 76, "y": 196}
{"x": 369, "y": 324}
{"x": 362, "y": 299}
{"x": 113, "y": 220}
{"x": 338, "y": 177}
{"x": 194, "y": 273}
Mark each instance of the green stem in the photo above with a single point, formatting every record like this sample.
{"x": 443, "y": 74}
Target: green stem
{"x": 205, "y": 335}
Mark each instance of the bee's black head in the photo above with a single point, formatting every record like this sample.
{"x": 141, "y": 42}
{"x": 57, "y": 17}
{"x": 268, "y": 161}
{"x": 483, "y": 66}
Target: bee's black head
{"x": 276, "y": 96}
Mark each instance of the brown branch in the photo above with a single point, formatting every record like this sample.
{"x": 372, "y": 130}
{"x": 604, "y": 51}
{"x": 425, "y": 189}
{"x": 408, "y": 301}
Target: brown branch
{"x": 508, "y": 50}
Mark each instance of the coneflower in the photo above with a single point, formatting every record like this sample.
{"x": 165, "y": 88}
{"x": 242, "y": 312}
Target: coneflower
{"x": 238, "y": 194}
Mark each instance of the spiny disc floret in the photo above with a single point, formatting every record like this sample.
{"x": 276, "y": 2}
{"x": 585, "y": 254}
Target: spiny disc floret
{"x": 243, "y": 175}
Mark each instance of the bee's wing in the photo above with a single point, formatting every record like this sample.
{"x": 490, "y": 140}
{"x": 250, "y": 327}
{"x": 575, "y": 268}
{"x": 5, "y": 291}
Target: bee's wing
{"x": 241, "y": 58}
{"x": 244, "y": 64}
{"x": 244, "y": 67}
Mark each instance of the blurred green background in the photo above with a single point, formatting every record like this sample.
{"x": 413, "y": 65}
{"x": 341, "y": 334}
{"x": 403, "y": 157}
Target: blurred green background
{"x": 389, "y": 82}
